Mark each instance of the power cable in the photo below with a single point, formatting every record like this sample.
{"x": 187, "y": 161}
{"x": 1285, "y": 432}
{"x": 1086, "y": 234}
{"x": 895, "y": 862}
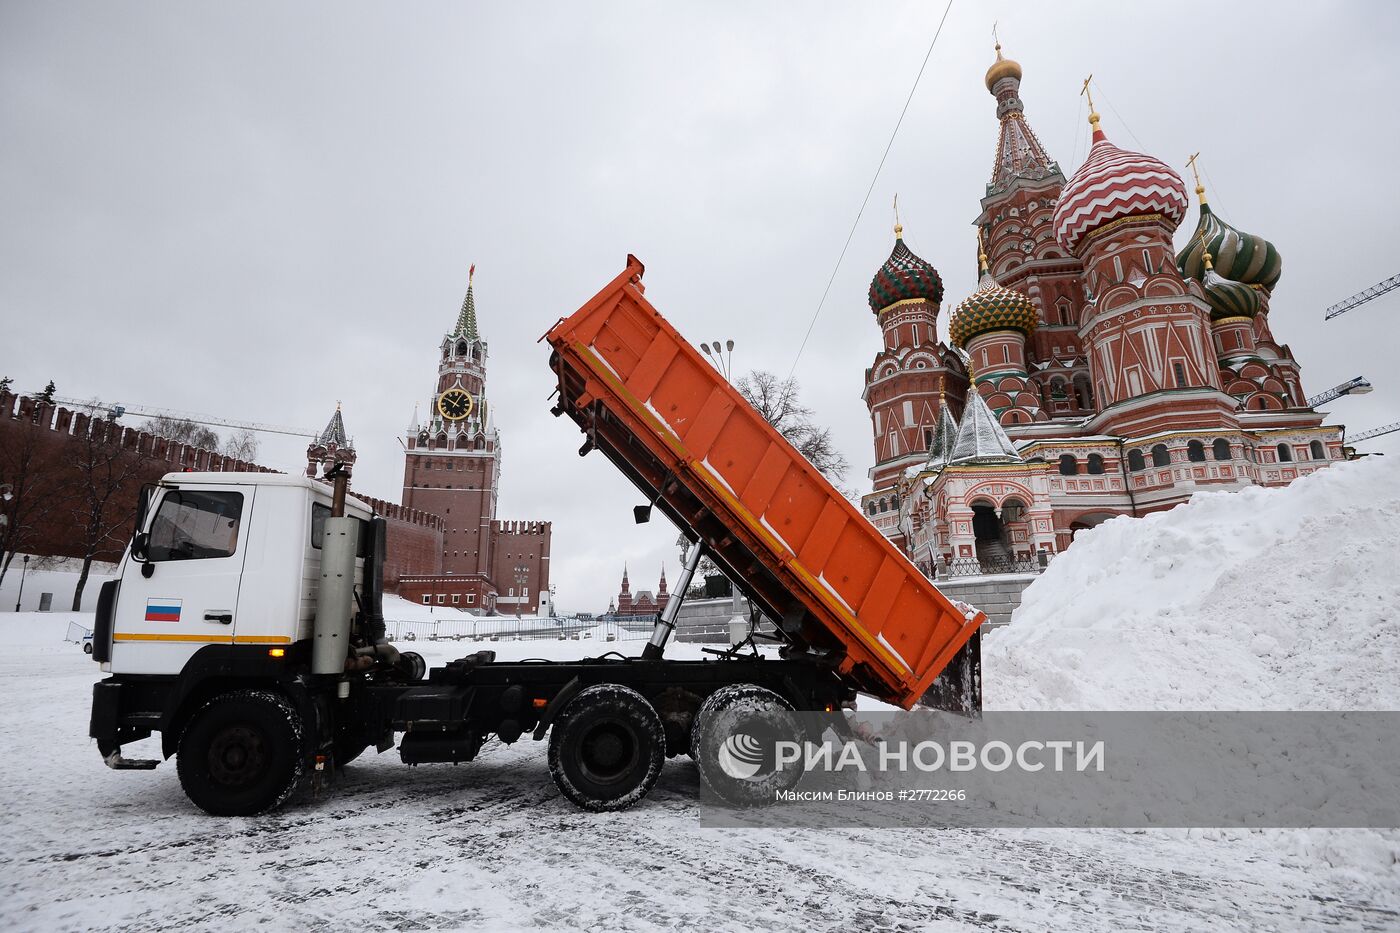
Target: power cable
{"x": 870, "y": 190}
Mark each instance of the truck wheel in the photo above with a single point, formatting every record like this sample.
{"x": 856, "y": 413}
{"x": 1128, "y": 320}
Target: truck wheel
{"x": 734, "y": 744}
{"x": 241, "y": 754}
{"x": 607, "y": 748}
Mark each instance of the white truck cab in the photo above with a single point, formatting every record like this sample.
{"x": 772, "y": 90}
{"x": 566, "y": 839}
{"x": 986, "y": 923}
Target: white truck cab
{"x": 221, "y": 559}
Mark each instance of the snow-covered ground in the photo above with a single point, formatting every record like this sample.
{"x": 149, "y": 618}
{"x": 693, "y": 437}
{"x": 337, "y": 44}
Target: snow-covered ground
{"x": 1196, "y": 618}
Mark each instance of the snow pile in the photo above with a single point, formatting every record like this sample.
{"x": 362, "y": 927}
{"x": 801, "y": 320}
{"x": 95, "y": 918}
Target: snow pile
{"x": 1264, "y": 599}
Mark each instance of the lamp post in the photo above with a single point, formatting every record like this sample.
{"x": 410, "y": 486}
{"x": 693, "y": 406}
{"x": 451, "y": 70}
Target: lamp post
{"x": 723, "y": 358}
{"x": 522, "y": 577}
{"x": 24, "y": 568}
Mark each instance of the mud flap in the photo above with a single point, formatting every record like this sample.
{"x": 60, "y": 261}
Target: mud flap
{"x": 959, "y": 688}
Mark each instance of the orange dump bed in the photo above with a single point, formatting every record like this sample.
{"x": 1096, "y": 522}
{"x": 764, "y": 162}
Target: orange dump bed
{"x": 670, "y": 421}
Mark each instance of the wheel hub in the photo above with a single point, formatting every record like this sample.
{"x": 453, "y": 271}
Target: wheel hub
{"x": 237, "y": 755}
{"x": 608, "y": 753}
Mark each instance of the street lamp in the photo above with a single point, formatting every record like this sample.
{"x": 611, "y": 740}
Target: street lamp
{"x": 724, "y": 364}
{"x": 24, "y": 568}
{"x": 1357, "y": 386}
{"x": 522, "y": 577}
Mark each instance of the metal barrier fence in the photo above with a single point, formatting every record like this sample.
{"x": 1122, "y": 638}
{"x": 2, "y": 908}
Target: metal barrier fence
{"x": 505, "y": 628}
{"x": 983, "y": 566}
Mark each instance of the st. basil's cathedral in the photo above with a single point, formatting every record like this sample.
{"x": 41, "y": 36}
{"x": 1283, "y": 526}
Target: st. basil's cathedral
{"x": 1096, "y": 371}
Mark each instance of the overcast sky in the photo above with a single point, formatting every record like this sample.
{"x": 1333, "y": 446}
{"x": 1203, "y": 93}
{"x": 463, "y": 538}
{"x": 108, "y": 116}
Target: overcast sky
{"x": 253, "y": 210}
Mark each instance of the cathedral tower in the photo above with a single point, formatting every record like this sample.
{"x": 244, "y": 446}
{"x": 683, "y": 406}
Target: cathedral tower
{"x": 904, "y": 383}
{"x": 1146, "y": 332}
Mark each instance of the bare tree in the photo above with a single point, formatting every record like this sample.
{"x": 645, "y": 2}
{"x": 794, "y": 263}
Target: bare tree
{"x": 182, "y": 431}
{"x": 108, "y": 477}
{"x": 779, "y": 402}
{"x": 31, "y": 479}
{"x": 241, "y": 445}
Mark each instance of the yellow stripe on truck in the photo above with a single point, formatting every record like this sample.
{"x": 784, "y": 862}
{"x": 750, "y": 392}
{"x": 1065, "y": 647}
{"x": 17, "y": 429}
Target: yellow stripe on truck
{"x": 205, "y": 639}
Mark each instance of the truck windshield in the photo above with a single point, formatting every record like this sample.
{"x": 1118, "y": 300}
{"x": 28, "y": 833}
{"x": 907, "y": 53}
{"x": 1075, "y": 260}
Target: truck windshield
{"x": 195, "y": 525}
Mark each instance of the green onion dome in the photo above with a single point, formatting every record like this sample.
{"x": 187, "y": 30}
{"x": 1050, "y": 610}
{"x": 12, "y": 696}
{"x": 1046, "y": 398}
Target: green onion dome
{"x": 1239, "y": 257}
{"x": 1226, "y": 297}
{"x": 990, "y": 308}
{"x": 904, "y": 277}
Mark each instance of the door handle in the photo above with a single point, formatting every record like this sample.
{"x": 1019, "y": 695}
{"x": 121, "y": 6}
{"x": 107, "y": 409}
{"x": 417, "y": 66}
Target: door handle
{"x": 223, "y": 618}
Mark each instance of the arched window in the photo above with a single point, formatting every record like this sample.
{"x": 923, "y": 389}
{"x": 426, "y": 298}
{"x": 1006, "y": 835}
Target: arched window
{"x": 1221, "y": 449}
{"x": 1136, "y": 461}
{"x": 1057, "y": 388}
{"x": 1285, "y": 453}
{"x": 1083, "y": 392}
{"x": 1318, "y": 451}
{"x": 1095, "y": 464}
{"x": 871, "y": 508}
{"x": 1160, "y": 456}
{"x": 894, "y": 502}
{"x": 1263, "y": 403}
{"x": 1196, "y": 452}
{"x": 884, "y": 506}
{"x": 462, "y": 348}
{"x": 1069, "y": 466}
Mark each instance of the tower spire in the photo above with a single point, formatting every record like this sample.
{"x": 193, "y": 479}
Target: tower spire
{"x": 1093, "y": 114}
{"x": 898, "y": 227}
{"x": 1196, "y": 173}
{"x": 466, "y": 320}
{"x": 1020, "y": 154}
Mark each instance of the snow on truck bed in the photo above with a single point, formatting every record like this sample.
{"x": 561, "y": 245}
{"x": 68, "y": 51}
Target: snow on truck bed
{"x": 1266, "y": 599}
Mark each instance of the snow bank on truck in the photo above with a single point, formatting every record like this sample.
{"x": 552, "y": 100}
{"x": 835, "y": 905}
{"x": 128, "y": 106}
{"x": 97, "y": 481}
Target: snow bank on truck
{"x": 1264, "y": 599}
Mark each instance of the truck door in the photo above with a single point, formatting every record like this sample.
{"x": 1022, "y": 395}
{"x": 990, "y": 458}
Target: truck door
{"x": 185, "y": 595}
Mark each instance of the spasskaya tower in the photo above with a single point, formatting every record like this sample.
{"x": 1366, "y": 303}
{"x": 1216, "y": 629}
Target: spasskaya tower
{"x": 452, "y": 468}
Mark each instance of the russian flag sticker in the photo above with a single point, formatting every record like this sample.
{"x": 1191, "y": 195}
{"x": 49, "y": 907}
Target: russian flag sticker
{"x": 163, "y": 610}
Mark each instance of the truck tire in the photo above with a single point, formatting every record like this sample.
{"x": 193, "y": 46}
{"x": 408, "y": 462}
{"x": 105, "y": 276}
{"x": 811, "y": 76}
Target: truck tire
{"x": 241, "y": 753}
{"x": 734, "y": 741}
{"x": 607, "y": 748}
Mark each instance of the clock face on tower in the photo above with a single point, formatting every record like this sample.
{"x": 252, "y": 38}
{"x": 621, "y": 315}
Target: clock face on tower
{"x": 455, "y": 404}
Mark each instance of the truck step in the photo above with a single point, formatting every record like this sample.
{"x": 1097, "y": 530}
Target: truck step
{"x": 116, "y": 762}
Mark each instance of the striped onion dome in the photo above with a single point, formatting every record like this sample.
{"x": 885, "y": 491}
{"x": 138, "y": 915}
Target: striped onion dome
{"x": 1227, "y": 298}
{"x": 904, "y": 277}
{"x": 1239, "y": 257}
{"x": 1112, "y": 184}
{"x": 991, "y": 307}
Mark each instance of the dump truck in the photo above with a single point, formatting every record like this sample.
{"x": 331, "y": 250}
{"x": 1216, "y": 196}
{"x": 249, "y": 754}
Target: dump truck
{"x": 245, "y": 624}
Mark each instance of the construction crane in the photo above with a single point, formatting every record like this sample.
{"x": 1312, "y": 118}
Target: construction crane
{"x": 1357, "y": 386}
{"x": 147, "y": 411}
{"x": 1374, "y": 432}
{"x": 1360, "y": 298}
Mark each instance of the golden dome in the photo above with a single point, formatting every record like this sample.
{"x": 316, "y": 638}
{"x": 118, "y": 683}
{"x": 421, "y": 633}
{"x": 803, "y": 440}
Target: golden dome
{"x": 1002, "y": 68}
